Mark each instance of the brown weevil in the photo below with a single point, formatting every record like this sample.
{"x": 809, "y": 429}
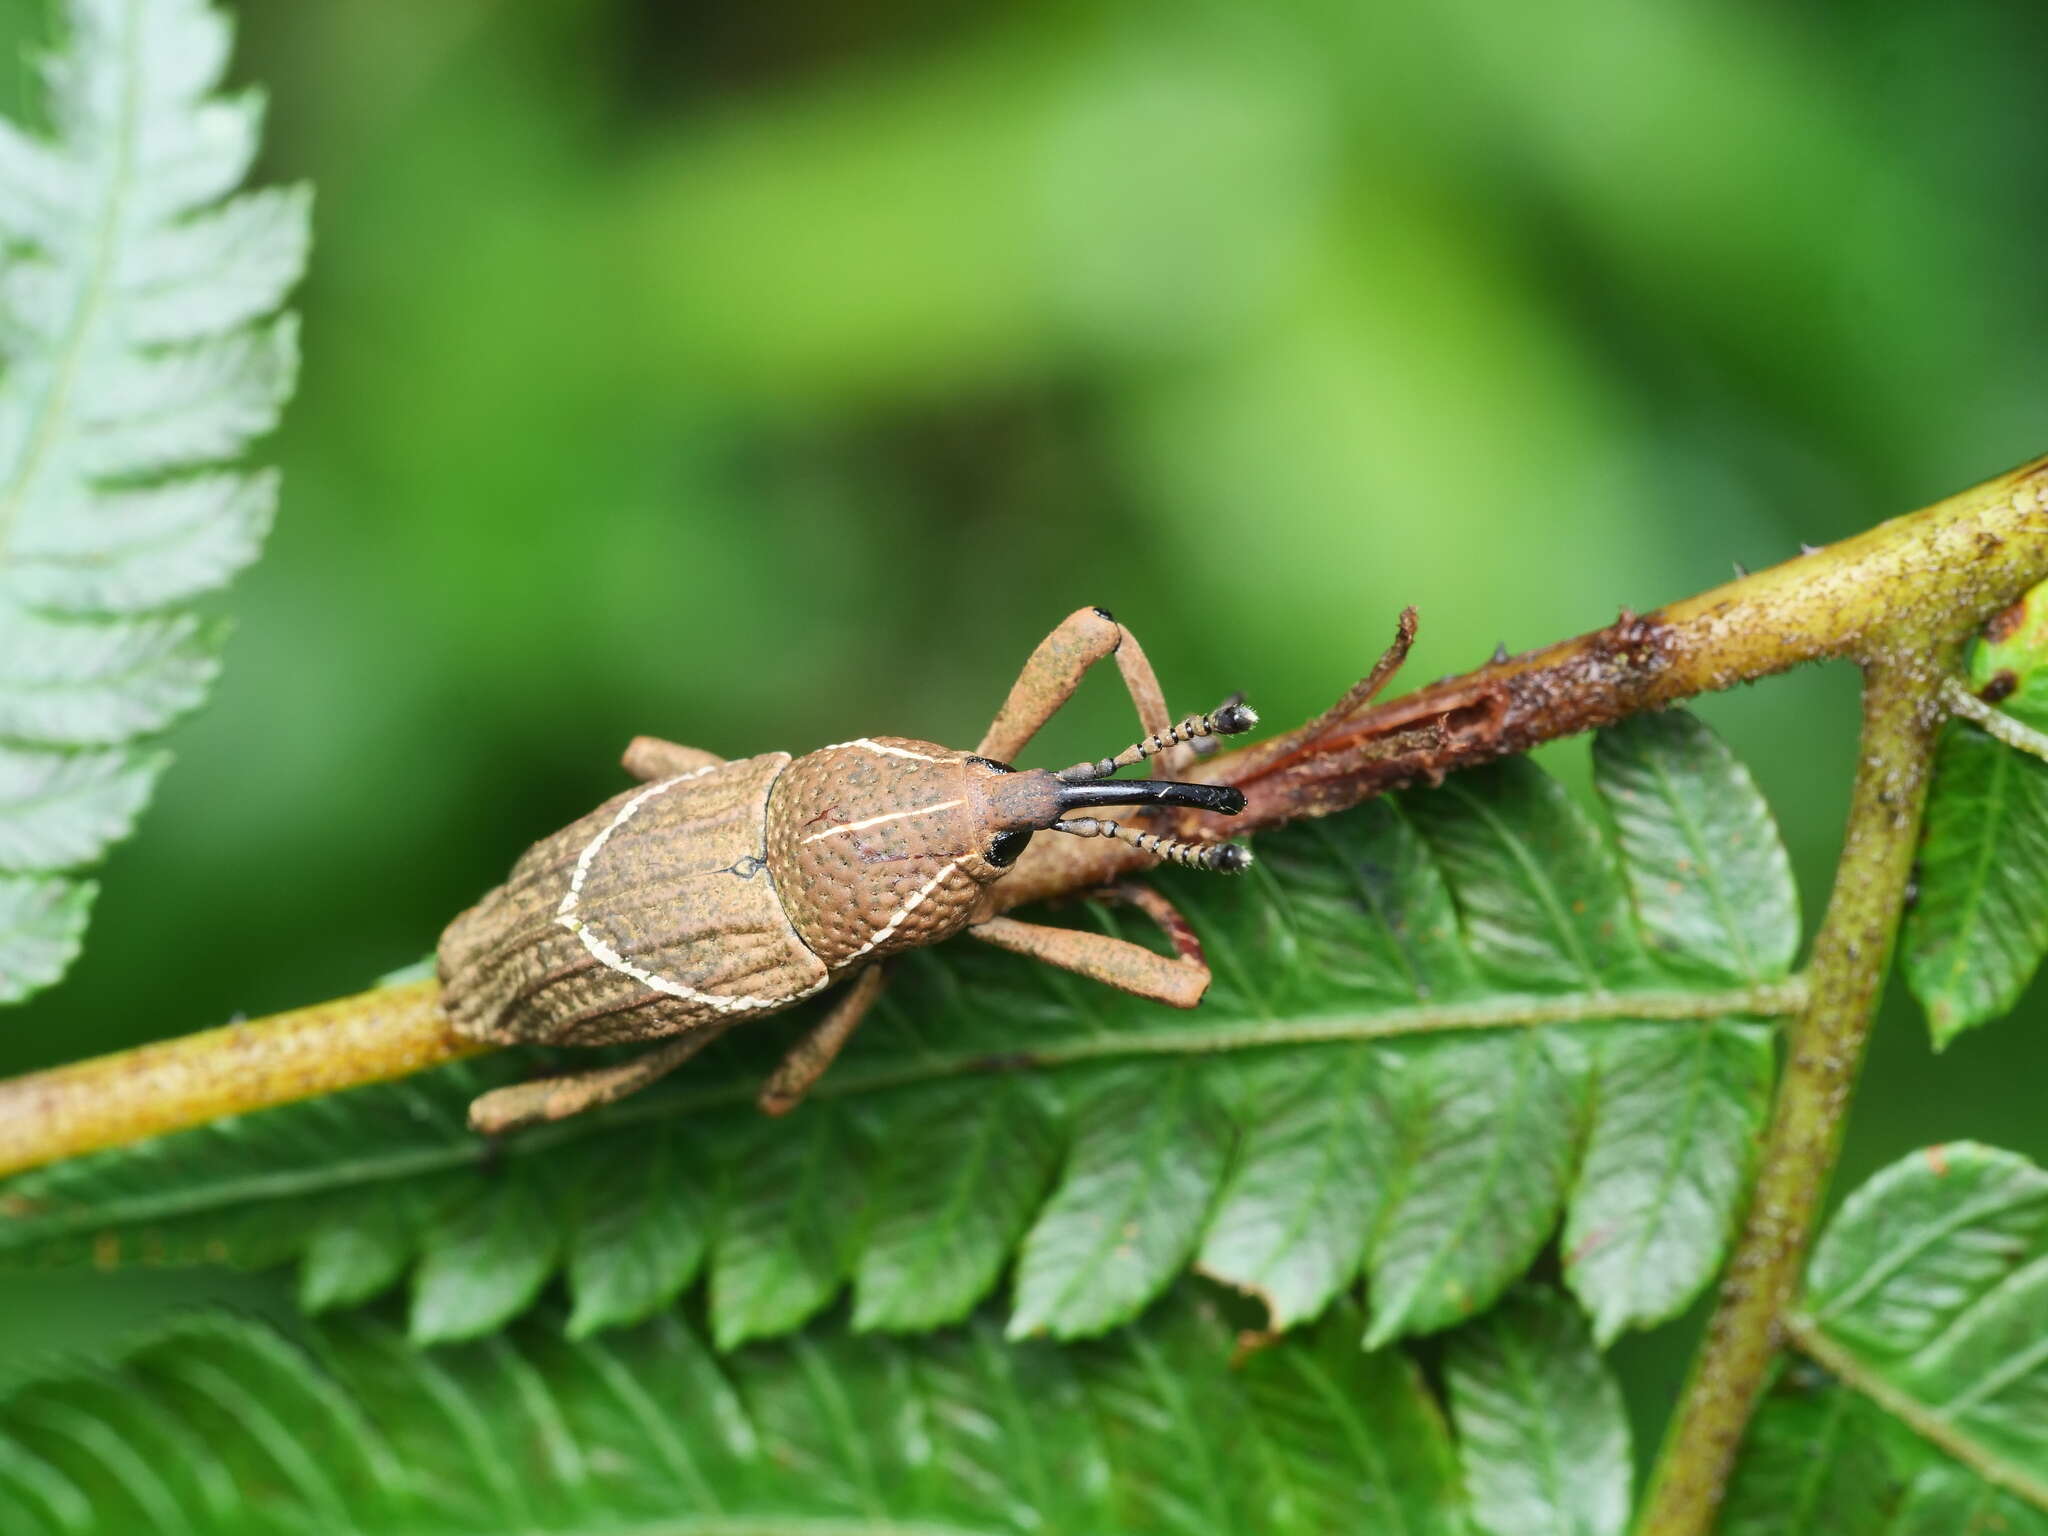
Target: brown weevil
{"x": 722, "y": 891}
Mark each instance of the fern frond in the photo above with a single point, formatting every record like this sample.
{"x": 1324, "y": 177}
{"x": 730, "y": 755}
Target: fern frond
{"x": 1926, "y": 1408}
{"x": 1439, "y": 1025}
{"x": 221, "y": 1425}
{"x": 142, "y": 352}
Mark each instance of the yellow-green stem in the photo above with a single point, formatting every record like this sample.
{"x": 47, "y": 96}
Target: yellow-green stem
{"x": 173, "y": 1084}
{"x": 1901, "y": 709}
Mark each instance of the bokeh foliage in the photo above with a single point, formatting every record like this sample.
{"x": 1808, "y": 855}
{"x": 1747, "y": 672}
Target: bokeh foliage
{"x": 763, "y": 376}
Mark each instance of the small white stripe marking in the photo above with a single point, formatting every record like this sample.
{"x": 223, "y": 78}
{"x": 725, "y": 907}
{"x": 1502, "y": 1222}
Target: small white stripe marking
{"x": 886, "y": 751}
{"x": 605, "y": 955}
{"x": 608, "y": 956}
{"x": 884, "y": 934}
{"x": 626, "y": 814}
{"x": 876, "y": 821}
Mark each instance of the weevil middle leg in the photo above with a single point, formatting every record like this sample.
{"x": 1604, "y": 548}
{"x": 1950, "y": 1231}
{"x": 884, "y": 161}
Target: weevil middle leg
{"x": 1178, "y": 980}
{"x": 557, "y": 1098}
{"x": 819, "y": 1046}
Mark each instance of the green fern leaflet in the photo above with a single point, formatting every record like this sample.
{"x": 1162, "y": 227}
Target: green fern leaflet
{"x": 1165, "y": 1430}
{"x": 142, "y": 353}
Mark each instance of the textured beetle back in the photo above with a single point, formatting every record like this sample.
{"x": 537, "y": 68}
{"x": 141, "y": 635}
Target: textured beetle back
{"x": 653, "y": 913}
{"x": 873, "y": 845}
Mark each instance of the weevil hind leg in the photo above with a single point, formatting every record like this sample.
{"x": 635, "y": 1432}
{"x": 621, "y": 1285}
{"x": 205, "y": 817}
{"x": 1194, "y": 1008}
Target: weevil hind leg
{"x": 1055, "y": 670}
{"x": 1178, "y": 980}
{"x": 649, "y": 759}
{"x": 557, "y": 1098}
{"x": 819, "y": 1046}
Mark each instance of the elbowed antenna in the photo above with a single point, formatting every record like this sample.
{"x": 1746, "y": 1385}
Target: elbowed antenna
{"x": 1225, "y": 720}
{"x": 1220, "y": 858}
{"x": 1223, "y": 799}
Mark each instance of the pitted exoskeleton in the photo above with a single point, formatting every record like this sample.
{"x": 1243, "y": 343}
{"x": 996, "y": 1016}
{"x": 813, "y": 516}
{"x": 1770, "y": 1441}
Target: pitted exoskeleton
{"x": 721, "y": 891}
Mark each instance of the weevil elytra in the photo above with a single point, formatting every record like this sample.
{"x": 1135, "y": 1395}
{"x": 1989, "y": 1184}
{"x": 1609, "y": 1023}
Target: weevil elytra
{"x": 723, "y": 891}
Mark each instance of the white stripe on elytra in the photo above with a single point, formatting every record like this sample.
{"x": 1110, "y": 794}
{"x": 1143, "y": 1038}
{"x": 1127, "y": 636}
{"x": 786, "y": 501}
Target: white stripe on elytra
{"x": 605, "y": 955}
{"x": 876, "y": 821}
{"x": 887, "y": 751}
{"x": 884, "y": 934}
{"x": 626, "y": 814}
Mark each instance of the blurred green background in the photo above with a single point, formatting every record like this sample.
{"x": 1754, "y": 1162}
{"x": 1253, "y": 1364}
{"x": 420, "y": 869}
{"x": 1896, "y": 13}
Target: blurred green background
{"x": 764, "y": 375}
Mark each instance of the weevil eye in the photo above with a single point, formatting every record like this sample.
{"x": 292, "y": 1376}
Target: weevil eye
{"x": 1003, "y": 851}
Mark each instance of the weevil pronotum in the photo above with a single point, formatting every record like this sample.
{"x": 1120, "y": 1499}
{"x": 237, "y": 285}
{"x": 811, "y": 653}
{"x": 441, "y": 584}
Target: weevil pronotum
{"x": 724, "y": 891}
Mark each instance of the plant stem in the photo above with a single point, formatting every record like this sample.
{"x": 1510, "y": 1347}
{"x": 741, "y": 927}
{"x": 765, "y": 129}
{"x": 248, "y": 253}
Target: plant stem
{"x": 394, "y": 1031}
{"x": 173, "y": 1084}
{"x": 1901, "y": 710}
{"x": 373, "y": 1164}
{"x": 1958, "y": 700}
{"x": 1939, "y": 572}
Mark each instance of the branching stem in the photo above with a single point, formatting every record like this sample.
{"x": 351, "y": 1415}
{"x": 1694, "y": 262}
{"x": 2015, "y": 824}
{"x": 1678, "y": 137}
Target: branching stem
{"x": 1901, "y": 710}
{"x": 1959, "y": 701}
{"x": 1936, "y": 574}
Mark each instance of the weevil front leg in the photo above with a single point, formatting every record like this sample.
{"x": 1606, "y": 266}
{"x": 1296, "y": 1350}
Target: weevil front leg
{"x": 1055, "y": 670}
{"x": 1178, "y": 980}
{"x": 649, "y": 759}
{"x": 820, "y": 1045}
{"x": 557, "y": 1098}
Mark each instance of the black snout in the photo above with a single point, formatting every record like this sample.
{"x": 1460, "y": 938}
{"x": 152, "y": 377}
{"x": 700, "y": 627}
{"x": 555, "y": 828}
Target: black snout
{"x": 1220, "y": 798}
